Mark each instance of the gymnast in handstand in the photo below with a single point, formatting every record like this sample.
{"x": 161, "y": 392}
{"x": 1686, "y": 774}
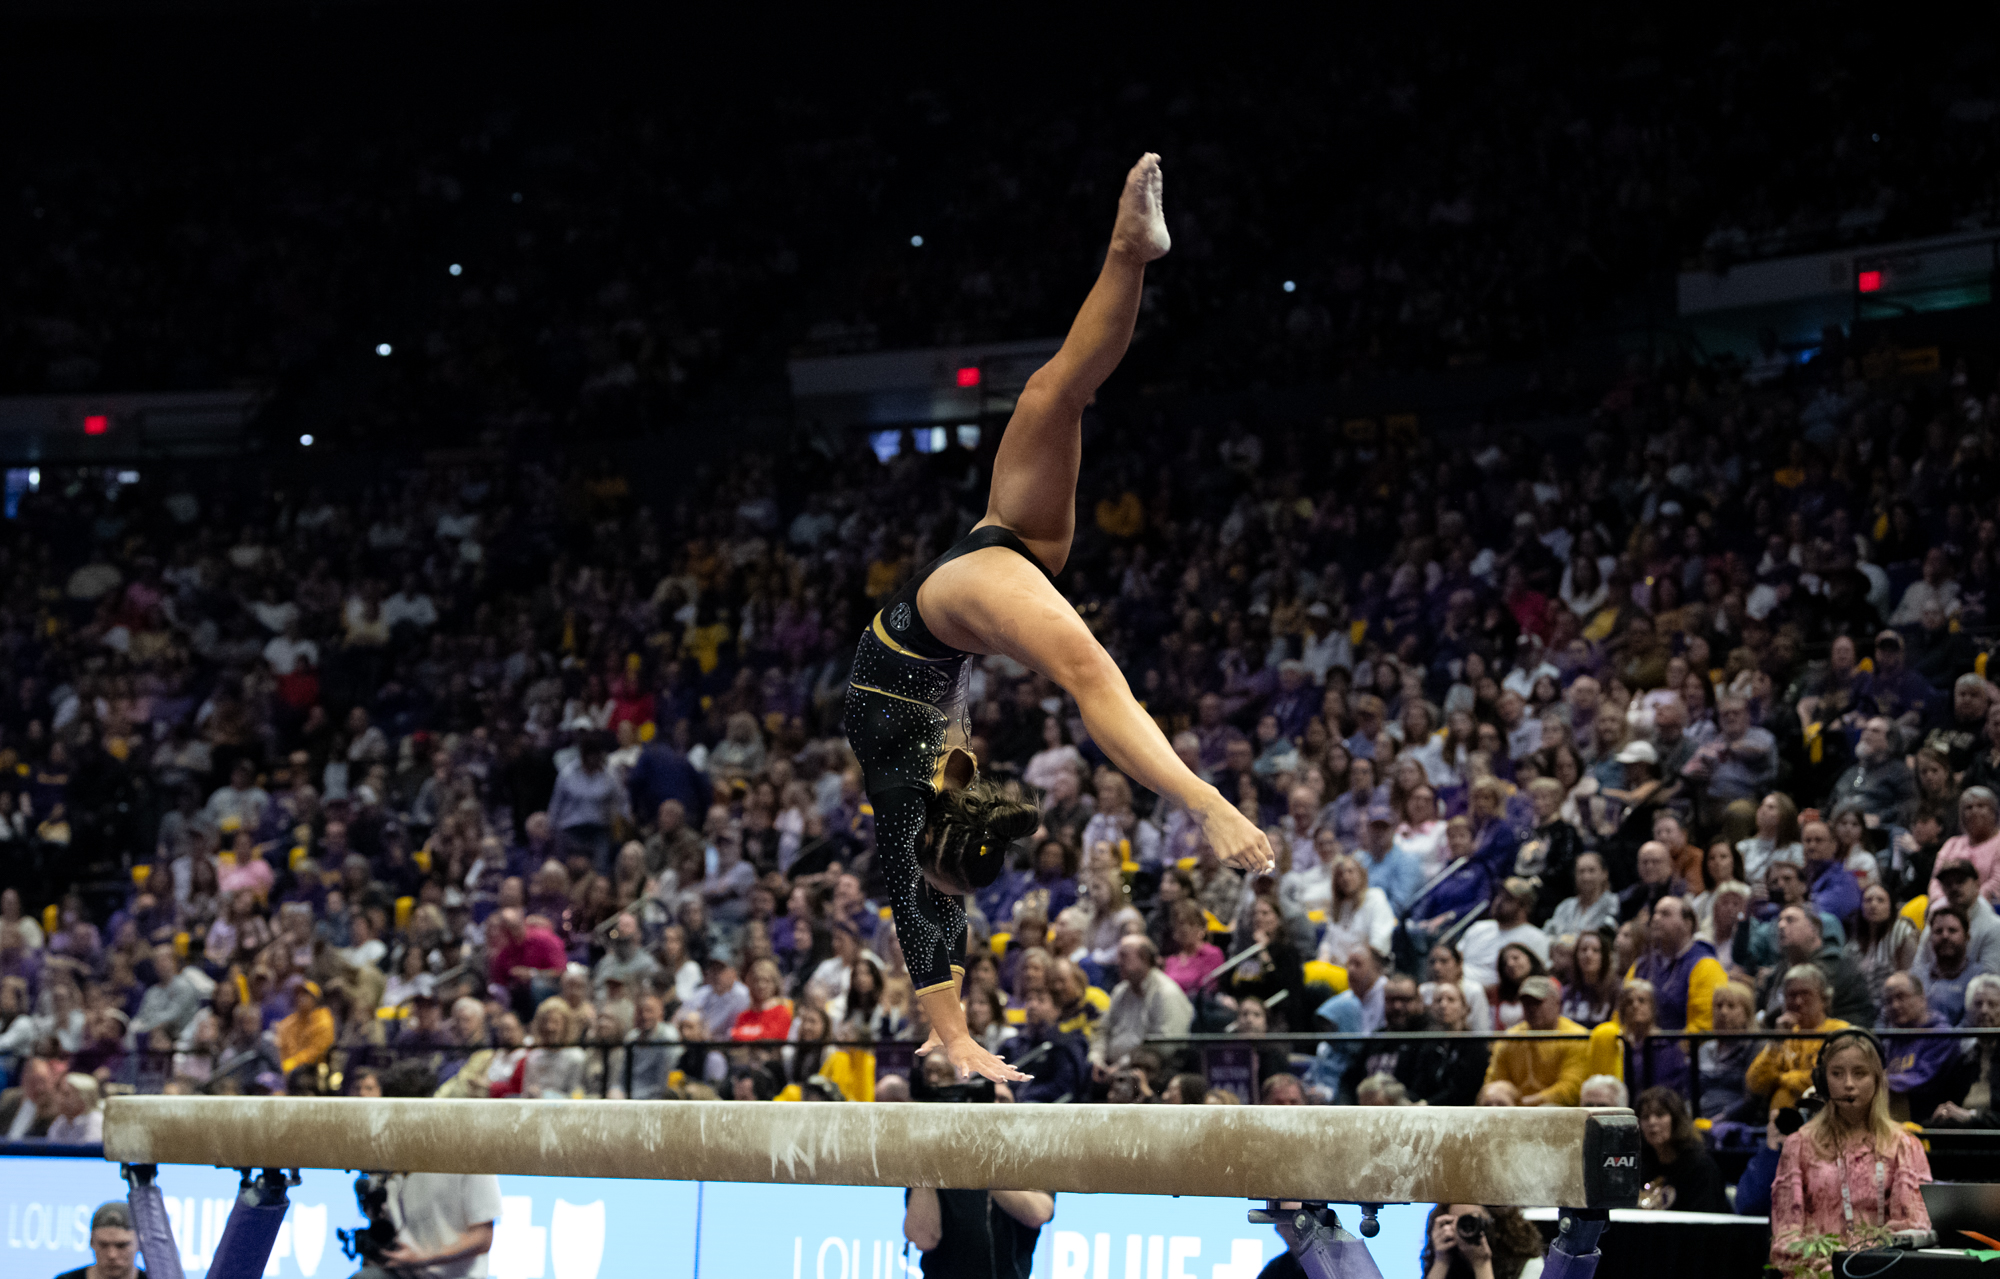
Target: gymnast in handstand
{"x": 942, "y": 830}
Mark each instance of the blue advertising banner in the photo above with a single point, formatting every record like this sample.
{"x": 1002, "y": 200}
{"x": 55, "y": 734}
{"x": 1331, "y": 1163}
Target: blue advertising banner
{"x": 831, "y": 1232}
{"x": 564, "y": 1228}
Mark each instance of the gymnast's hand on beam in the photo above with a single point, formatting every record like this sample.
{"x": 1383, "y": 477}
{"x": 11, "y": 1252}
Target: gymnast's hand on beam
{"x": 968, "y": 1058}
{"x": 1236, "y": 839}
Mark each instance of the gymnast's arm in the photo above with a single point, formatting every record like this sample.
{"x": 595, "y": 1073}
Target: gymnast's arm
{"x": 930, "y": 927}
{"x": 997, "y": 602}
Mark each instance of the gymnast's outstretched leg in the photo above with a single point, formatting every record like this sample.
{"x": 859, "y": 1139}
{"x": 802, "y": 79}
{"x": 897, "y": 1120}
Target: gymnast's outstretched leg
{"x": 995, "y": 599}
{"x": 940, "y": 836}
{"x": 1034, "y": 471}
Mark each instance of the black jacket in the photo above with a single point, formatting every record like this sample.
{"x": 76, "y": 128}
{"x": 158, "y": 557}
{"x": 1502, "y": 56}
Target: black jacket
{"x": 1555, "y": 846}
{"x": 1441, "y": 1072}
{"x": 1062, "y": 1070}
{"x": 1693, "y": 1174}
{"x": 1849, "y": 1001}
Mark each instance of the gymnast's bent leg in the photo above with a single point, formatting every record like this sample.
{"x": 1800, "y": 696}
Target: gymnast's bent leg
{"x": 1034, "y": 471}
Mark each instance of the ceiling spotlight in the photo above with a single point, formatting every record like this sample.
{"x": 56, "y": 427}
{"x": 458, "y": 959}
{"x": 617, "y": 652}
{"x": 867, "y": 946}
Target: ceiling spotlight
{"x": 916, "y": 242}
{"x": 383, "y": 348}
{"x": 456, "y": 269}
{"x": 306, "y": 441}
{"x": 1290, "y": 286}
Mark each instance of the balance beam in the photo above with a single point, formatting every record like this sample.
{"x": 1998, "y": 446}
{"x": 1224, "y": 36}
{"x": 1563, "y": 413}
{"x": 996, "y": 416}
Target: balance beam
{"x": 1533, "y": 1157}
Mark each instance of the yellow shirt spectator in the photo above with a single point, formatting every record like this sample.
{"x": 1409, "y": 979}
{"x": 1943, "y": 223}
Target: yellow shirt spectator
{"x": 306, "y": 1036}
{"x": 1784, "y": 1070}
{"x": 1547, "y": 1072}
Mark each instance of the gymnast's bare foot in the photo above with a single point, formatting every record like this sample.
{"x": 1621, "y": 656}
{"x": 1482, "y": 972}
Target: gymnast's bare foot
{"x": 1141, "y": 229}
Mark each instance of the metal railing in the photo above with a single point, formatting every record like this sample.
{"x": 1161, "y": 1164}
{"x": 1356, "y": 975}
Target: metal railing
{"x": 1690, "y": 1039}
{"x": 149, "y": 1070}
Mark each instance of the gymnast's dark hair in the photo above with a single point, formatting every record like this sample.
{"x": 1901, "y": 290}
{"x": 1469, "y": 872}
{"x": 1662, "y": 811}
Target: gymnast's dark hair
{"x": 968, "y": 832}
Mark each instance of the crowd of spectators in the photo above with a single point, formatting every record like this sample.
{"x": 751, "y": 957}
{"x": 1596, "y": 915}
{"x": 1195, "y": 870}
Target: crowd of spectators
{"x": 1683, "y": 728}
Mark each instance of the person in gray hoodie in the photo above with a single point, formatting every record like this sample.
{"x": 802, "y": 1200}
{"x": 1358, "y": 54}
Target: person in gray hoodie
{"x": 177, "y": 994}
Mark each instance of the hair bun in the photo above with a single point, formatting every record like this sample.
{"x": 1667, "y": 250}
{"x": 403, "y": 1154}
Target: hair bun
{"x": 1009, "y": 820}
{"x": 972, "y": 826}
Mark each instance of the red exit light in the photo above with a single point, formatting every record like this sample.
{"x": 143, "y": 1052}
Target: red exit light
{"x": 96, "y": 424}
{"x": 969, "y": 377}
{"x": 1869, "y": 281}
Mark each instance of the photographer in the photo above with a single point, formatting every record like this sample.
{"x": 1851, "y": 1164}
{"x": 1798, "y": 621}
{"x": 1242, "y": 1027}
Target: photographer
{"x": 971, "y": 1234}
{"x": 976, "y": 1234}
{"x": 1468, "y": 1241}
{"x": 442, "y": 1222}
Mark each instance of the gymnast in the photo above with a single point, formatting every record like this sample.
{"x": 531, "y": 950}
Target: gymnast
{"x": 941, "y": 829}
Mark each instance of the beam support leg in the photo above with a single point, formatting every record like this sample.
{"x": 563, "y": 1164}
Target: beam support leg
{"x": 150, "y": 1221}
{"x": 1323, "y": 1248}
{"x": 253, "y": 1225}
{"x": 1574, "y": 1253}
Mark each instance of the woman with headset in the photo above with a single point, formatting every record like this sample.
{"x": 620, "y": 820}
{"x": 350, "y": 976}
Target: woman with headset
{"x": 941, "y": 830}
{"x": 1850, "y": 1168}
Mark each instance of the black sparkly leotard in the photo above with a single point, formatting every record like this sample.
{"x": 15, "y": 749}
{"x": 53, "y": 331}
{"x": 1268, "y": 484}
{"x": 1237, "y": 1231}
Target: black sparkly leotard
{"x": 903, "y": 696}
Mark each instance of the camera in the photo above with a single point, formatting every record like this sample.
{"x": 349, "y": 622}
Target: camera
{"x": 1471, "y": 1227}
{"x": 371, "y": 1242}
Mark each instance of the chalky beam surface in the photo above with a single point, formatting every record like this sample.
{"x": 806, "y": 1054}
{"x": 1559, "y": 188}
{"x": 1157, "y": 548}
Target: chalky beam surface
{"x": 1353, "y": 1154}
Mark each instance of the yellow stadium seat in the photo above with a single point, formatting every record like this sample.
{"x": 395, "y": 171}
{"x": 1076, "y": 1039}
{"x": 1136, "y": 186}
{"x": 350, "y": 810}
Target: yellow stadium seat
{"x": 1321, "y": 973}
{"x": 1915, "y": 911}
